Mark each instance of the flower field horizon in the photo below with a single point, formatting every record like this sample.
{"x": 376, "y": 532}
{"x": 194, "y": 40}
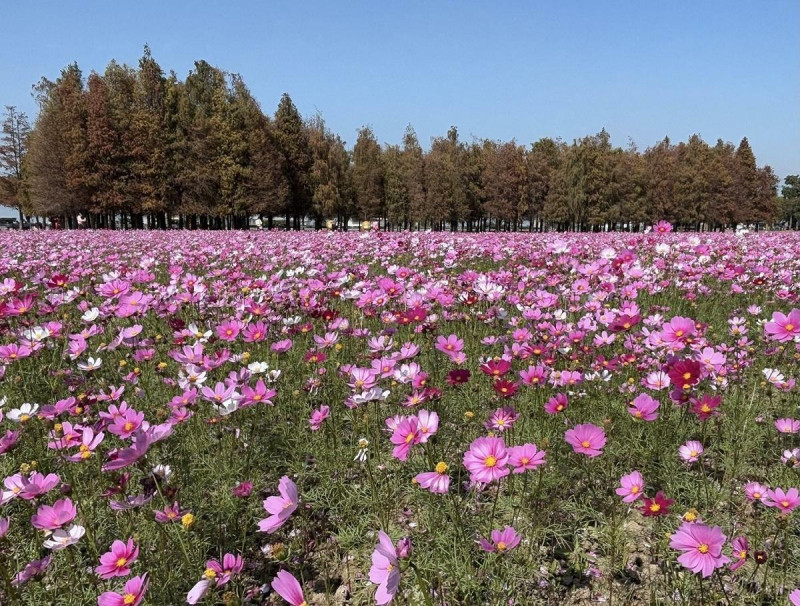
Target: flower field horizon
{"x": 327, "y": 418}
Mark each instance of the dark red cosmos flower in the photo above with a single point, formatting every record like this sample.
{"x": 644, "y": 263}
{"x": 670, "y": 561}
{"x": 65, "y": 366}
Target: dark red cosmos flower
{"x": 625, "y": 322}
{"x": 314, "y": 357}
{"x": 685, "y": 373}
{"x": 505, "y": 388}
{"x": 706, "y": 406}
{"x": 57, "y": 281}
{"x": 458, "y": 376}
{"x": 657, "y": 506}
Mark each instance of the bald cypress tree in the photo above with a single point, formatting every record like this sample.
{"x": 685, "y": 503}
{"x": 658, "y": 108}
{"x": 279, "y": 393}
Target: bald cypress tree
{"x": 293, "y": 141}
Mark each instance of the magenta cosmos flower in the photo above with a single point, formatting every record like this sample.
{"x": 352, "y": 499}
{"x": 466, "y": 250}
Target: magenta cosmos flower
{"x": 486, "y": 460}
{"x": 524, "y": 457}
{"x": 289, "y": 589}
{"x": 586, "y": 439}
{"x": 741, "y": 551}
{"x": 117, "y": 561}
{"x": 280, "y": 507}
{"x": 785, "y": 501}
{"x": 502, "y": 540}
{"x": 701, "y": 546}
{"x": 406, "y": 433}
{"x": 133, "y": 594}
{"x": 782, "y": 327}
{"x": 631, "y": 487}
{"x": 644, "y": 407}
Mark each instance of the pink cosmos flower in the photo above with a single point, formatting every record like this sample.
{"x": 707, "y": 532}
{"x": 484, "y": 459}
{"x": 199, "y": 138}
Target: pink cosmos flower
{"x": 117, "y": 561}
{"x": 4, "y": 524}
{"x": 406, "y": 433}
{"x": 38, "y": 485}
{"x": 691, "y": 451}
{"x": 449, "y": 345}
{"x": 436, "y": 481}
{"x": 89, "y": 442}
{"x": 701, "y": 546}
{"x": 785, "y": 501}
{"x": 385, "y": 571}
{"x": 8, "y": 441}
{"x": 502, "y": 540}
{"x": 242, "y": 489}
{"x": 170, "y": 513}
{"x": 486, "y": 460}
{"x": 281, "y": 346}
{"x": 280, "y": 508}
{"x": 787, "y": 425}
{"x": 783, "y": 328}
{"x": 428, "y": 424}
{"x": 755, "y": 491}
{"x": 129, "y": 456}
{"x": 678, "y": 330}
{"x": 558, "y": 403}
{"x": 794, "y": 597}
{"x": 289, "y": 589}
{"x": 256, "y": 395}
{"x": 62, "y": 512}
{"x": 524, "y": 457}
{"x": 586, "y": 439}
{"x": 741, "y": 551}
{"x": 31, "y": 570}
{"x": 644, "y": 407}
{"x": 502, "y": 419}
{"x": 631, "y": 487}
{"x": 318, "y": 416}
{"x": 133, "y": 594}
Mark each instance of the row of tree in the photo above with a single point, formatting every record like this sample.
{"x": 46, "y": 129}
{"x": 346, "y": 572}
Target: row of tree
{"x": 133, "y": 145}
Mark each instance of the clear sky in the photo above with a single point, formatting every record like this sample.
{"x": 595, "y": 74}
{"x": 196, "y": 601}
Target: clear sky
{"x": 496, "y": 69}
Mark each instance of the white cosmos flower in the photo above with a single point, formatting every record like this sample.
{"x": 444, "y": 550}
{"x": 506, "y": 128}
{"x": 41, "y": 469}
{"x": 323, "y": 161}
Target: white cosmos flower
{"x": 273, "y": 375}
{"x": 163, "y": 471}
{"x": 90, "y": 315}
{"x": 37, "y": 334}
{"x": 61, "y": 539}
{"x": 23, "y": 413}
{"x": 774, "y": 376}
{"x": 258, "y": 367}
{"x": 227, "y": 407}
{"x": 91, "y": 364}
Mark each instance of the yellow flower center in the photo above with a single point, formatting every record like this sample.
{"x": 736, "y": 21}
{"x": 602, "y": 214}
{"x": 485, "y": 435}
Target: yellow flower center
{"x": 490, "y": 461}
{"x": 24, "y": 417}
{"x": 129, "y": 598}
{"x": 441, "y": 467}
{"x": 756, "y": 495}
{"x": 703, "y": 548}
{"x": 678, "y": 333}
{"x": 524, "y": 460}
{"x": 687, "y": 375}
{"x": 210, "y": 574}
{"x": 790, "y": 327}
{"x": 742, "y": 554}
{"x": 389, "y": 567}
{"x": 121, "y": 562}
{"x": 501, "y": 546}
{"x": 655, "y": 507}
{"x": 693, "y": 453}
{"x": 585, "y": 444}
{"x": 634, "y": 489}
{"x": 705, "y": 408}
{"x": 785, "y": 503}
{"x": 409, "y": 438}
{"x": 128, "y": 426}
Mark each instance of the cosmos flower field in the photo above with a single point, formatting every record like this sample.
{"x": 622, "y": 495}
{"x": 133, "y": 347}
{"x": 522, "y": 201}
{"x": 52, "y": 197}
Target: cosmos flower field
{"x": 430, "y": 419}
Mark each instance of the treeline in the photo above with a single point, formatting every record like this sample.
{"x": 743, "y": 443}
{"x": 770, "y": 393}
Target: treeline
{"x": 133, "y": 146}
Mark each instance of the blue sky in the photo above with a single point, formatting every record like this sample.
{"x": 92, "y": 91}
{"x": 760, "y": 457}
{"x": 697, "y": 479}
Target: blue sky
{"x": 499, "y": 69}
